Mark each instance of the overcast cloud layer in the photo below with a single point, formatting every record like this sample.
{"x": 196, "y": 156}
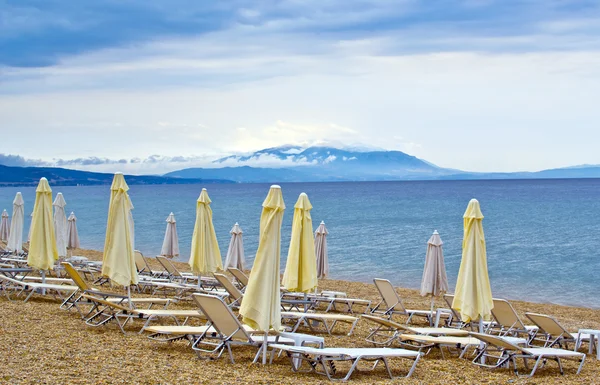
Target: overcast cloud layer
{"x": 478, "y": 85}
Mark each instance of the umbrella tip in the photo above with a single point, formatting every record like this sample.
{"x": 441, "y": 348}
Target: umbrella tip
{"x": 203, "y": 189}
{"x": 118, "y": 173}
{"x": 435, "y": 232}
{"x": 322, "y": 222}
{"x": 236, "y": 224}
{"x": 276, "y": 186}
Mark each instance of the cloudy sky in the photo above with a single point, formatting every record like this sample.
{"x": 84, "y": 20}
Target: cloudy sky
{"x": 478, "y": 85}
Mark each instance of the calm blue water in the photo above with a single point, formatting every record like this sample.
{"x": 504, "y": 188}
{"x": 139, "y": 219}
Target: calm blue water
{"x": 542, "y": 235}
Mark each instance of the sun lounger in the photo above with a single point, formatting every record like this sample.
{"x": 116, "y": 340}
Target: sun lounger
{"x": 507, "y": 354}
{"x": 240, "y": 277}
{"x": 508, "y": 322}
{"x": 169, "y": 333}
{"x": 8, "y": 285}
{"x": 104, "y": 311}
{"x": 144, "y": 268}
{"x": 184, "y": 277}
{"x": 325, "y": 361}
{"x": 554, "y": 333}
{"x": 391, "y": 303}
{"x": 332, "y": 301}
{"x": 235, "y": 295}
{"x": 387, "y": 331}
{"x": 230, "y": 331}
{"x": 328, "y": 320}
{"x": 56, "y": 281}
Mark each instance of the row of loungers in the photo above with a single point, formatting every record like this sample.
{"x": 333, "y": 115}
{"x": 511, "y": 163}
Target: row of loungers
{"x": 510, "y": 338}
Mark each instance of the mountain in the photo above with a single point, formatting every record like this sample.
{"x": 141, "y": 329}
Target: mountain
{"x": 30, "y": 176}
{"x": 316, "y": 164}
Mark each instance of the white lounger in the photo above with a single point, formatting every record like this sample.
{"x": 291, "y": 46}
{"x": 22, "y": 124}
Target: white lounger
{"x": 324, "y": 358}
{"x": 309, "y": 318}
{"x": 8, "y": 284}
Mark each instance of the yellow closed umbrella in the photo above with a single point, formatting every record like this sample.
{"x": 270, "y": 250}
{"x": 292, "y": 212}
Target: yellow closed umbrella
{"x": 261, "y": 305}
{"x": 473, "y": 294}
{"x": 205, "y": 257}
{"x": 301, "y": 268}
{"x": 118, "y": 262}
{"x": 42, "y": 244}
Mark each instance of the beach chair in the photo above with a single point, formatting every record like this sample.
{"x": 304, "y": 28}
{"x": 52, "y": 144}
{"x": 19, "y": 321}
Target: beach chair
{"x": 386, "y": 331}
{"x": 331, "y": 301}
{"x": 184, "y": 277}
{"x": 74, "y": 299}
{"x": 235, "y": 295}
{"x": 170, "y": 333}
{"x": 240, "y": 277}
{"x": 391, "y": 303}
{"x": 326, "y": 361}
{"x": 508, "y": 321}
{"x": 504, "y": 353}
{"x": 311, "y": 320}
{"x": 230, "y": 331}
{"x": 144, "y": 268}
{"x": 104, "y": 311}
{"x": 554, "y": 333}
{"x": 9, "y": 285}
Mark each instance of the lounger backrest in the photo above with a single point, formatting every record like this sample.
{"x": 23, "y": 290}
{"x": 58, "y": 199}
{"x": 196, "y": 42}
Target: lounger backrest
{"x": 506, "y": 315}
{"x": 548, "y": 325}
{"x": 221, "y": 317}
{"x": 496, "y": 341}
{"x": 389, "y": 295}
{"x": 75, "y": 276}
{"x": 239, "y": 275}
{"x": 449, "y": 298}
{"x": 233, "y": 291}
{"x": 169, "y": 267}
{"x": 140, "y": 262}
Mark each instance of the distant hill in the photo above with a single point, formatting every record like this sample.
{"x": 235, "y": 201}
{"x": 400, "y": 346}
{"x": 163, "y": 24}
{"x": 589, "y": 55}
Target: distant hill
{"x": 30, "y": 176}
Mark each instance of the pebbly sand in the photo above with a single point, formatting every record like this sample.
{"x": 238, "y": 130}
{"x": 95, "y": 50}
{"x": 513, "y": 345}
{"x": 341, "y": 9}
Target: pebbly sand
{"x": 39, "y": 343}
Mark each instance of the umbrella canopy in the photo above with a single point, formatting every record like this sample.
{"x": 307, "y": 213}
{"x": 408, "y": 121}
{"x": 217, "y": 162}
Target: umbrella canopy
{"x": 60, "y": 224}
{"x": 4, "y": 227}
{"x": 321, "y": 251}
{"x": 72, "y": 234}
{"x": 15, "y": 239}
{"x": 235, "y": 252}
{"x": 118, "y": 262}
{"x": 434, "y": 281}
{"x": 473, "y": 294}
{"x": 205, "y": 257}
{"x": 42, "y": 246}
{"x": 170, "y": 246}
{"x": 301, "y": 267}
{"x": 261, "y": 305}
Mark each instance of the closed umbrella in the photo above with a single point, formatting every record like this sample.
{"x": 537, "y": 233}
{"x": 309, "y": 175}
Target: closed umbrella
{"x": 321, "y": 251}
{"x": 473, "y": 293}
{"x": 60, "y": 224}
{"x": 15, "y": 239}
{"x": 235, "y": 252}
{"x": 170, "y": 246}
{"x": 4, "y": 227}
{"x": 301, "y": 267}
{"x": 261, "y": 305}
{"x": 434, "y": 281}
{"x": 42, "y": 246}
{"x": 205, "y": 256}
{"x": 72, "y": 234}
{"x": 118, "y": 262}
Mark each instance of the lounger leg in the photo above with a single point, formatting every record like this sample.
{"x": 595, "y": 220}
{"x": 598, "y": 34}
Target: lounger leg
{"x": 354, "y": 365}
{"x": 353, "y": 326}
{"x": 560, "y": 367}
{"x": 537, "y": 363}
{"x": 581, "y": 364}
{"x": 414, "y": 365}
{"x": 29, "y": 296}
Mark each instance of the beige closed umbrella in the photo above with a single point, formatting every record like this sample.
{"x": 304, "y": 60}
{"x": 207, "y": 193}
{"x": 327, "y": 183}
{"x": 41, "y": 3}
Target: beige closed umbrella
{"x": 15, "y": 238}
{"x": 42, "y": 246}
{"x": 72, "y": 234}
{"x": 60, "y": 224}
{"x": 118, "y": 261}
{"x": 170, "y": 246}
{"x": 301, "y": 267}
{"x": 4, "y": 227}
{"x": 205, "y": 257}
{"x": 321, "y": 251}
{"x": 435, "y": 281}
{"x": 261, "y": 307}
{"x": 235, "y": 253}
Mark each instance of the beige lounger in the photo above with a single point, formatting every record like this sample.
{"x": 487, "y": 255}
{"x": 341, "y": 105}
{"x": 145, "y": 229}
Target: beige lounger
{"x": 391, "y": 303}
{"x": 240, "y": 277}
{"x": 508, "y": 322}
{"x": 10, "y": 284}
{"x": 327, "y": 358}
{"x": 328, "y": 320}
{"x": 554, "y": 333}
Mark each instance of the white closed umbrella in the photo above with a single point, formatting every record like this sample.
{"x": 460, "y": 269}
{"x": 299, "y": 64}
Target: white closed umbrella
{"x": 170, "y": 246}
{"x": 4, "y": 227}
{"x": 321, "y": 251}
{"x": 72, "y": 234}
{"x": 15, "y": 238}
{"x": 235, "y": 254}
{"x": 60, "y": 224}
{"x": 435, "y": 280}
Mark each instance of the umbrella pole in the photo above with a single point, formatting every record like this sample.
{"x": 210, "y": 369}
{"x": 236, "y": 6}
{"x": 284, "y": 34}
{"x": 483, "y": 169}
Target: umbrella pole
{"x": 431, "y": 316}
{"x": 264, "y": 360}
{"x": 43, "y": 273}
{"x": 481, "y": 343}
{"x": 129, "y": 296}
{"x": 199, "y": 282}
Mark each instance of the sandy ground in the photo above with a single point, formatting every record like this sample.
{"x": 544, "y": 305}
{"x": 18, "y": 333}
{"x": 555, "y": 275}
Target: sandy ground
{"x": 39, "y": 343}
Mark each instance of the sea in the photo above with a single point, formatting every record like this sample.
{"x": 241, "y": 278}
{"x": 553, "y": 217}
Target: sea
{"x": 542, "y": 236}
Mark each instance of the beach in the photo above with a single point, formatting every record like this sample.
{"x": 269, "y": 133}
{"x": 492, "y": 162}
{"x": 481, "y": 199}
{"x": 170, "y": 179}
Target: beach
{"x": 43, "y": 344}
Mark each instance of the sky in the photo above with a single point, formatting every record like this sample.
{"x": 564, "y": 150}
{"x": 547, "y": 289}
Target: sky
{"x": 150, "y": 86}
